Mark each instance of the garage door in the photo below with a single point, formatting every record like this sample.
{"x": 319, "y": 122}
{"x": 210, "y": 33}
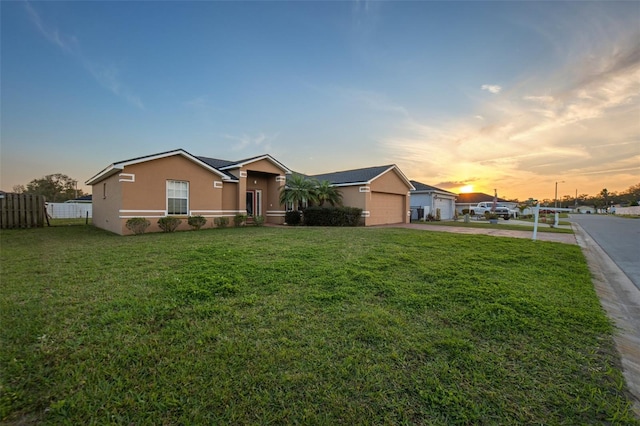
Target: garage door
{"x": 446, "y": 211}
{"x": 386, "y": 208}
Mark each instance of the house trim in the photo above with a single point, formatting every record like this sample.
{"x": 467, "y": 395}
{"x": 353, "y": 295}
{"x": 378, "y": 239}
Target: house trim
{"x": 119, "y": 166}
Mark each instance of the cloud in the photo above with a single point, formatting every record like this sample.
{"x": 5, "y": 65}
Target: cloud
{"x": 571, "y": 122}
{"x": 67, "y": 44}
{"x": 453, "y": 184}
{"x": 200, "y": 102}
{"x": 491, "y": 88}
{"x": 106, "y": 76}
{"x": 261, "y": 140}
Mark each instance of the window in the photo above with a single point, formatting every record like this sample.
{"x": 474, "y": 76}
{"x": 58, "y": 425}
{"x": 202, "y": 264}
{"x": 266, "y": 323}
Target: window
{"x": 177, "y": 197}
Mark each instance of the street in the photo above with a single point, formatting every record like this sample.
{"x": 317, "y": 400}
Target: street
{"x": 619, "y": 237}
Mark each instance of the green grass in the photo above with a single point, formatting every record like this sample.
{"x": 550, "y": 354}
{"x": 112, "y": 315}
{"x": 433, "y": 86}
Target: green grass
{"x": 302, "y": 326}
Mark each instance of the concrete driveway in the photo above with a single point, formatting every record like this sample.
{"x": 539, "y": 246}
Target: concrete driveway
{"x": 496, "y": 232}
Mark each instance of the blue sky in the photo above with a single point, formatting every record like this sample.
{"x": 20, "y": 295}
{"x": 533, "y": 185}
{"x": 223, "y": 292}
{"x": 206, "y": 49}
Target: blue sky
{"x": 508, "y": 95}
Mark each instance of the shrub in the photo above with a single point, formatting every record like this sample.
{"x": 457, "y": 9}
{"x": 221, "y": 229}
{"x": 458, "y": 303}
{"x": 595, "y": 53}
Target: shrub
{"x": 258, "y": 220}
{"x": 332, "y": 216}
{"x": 169, "y": 223}
{"x": 465, "y": 211}
{"x": 293, "y": 217}
{"x": 239, "y": 220}
{"x": 490, "y": 215}
{"x": 221, "y": 222}
{"x": 137, "y": 225}
{"x": 196, "y": 222}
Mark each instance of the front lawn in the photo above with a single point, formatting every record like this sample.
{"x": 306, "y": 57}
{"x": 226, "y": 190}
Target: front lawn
{"x": 301, "y": 325}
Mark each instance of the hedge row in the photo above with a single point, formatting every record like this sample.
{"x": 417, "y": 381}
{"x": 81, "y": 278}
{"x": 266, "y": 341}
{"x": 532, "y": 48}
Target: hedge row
{"x": 332, "y": 216}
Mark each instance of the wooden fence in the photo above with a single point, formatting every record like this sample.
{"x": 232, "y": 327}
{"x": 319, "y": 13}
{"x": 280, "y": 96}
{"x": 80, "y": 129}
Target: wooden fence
{"x": 21, "y": 211}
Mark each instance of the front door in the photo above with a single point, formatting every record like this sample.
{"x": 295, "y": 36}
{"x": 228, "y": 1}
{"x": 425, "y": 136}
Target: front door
{"x": 254, "y": 202}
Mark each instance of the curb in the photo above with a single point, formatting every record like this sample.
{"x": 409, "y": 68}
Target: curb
{"x": 620, "y": 298}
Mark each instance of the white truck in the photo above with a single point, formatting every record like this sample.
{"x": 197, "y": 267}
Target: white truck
{"x": 486, "y": 206}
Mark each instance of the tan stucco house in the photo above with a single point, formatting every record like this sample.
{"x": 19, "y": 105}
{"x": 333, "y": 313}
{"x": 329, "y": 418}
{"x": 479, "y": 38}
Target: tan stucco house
{"x": 177, "y": 183}
{"x": 382, "y": 192}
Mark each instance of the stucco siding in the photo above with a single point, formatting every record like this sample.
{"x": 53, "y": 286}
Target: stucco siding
{"x": 352, "y": 197}
{"x": 106, "y": 205}
{"x": 149, "y": 188}
{"x": 391, "y": 183}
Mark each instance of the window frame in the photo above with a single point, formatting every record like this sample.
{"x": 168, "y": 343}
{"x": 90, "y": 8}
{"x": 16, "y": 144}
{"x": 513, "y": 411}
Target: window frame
{"x": 171, "y": 185}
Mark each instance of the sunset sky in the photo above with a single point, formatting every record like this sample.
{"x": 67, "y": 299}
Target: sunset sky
{"x": 513, "y": 96}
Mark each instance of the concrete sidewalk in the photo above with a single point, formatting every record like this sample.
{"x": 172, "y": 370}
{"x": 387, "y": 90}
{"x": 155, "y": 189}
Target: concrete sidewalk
{"x": 542, "y": 236}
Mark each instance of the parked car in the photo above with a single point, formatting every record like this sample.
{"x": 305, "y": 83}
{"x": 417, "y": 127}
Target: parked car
{"x": 487, "y": 206}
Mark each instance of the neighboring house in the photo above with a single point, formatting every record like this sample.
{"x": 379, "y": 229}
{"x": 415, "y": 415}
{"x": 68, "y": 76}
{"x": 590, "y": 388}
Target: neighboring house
{"x": 177, "y": 183}
{"x": 585, "y": 209}
{"x": 83, "y": 199}
{"x": 427, "y": 199}
{"x": 381, "y": 192}
{"x": 471, "y": 199}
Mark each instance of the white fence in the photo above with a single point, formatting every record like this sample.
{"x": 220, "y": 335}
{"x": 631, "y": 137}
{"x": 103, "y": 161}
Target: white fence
{"x": 69, "y": 210}
{"x": 633, "y": 210}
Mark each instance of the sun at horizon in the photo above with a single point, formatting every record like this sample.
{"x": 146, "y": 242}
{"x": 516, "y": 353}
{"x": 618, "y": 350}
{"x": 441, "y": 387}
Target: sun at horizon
{"x": 466, "y": 189}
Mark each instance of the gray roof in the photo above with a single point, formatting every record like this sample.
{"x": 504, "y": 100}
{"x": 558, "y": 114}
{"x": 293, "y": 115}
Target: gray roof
{"x": 353, "y": 176}
{"x": 419, "y": 186}
{"x": 218, "y": 164}
{"x": 215, "y": 162}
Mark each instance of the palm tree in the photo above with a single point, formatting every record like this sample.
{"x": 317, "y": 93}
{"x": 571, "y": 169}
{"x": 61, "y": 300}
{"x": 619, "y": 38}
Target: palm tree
{"x": 325, "y": 192}
{"x": 298, "y": 191}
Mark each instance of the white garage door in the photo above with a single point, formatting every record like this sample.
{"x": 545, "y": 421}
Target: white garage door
{"x": 386, "y": 208}
{"x": 446, "y": 211}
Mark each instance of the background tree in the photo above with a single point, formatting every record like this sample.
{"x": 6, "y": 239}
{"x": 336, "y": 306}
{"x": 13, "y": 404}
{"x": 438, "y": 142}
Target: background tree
{"x": 604, "y": 196}
{"x": 631, "y": 195}
{"x": 18, "y": 189}
{"x": 56, "y": 188}
{"x": 326, "y": 193}
{"x": 298, "y": 191}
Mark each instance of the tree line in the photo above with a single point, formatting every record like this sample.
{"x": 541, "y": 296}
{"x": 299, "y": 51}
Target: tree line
{"x": 604, "y": 199}
{"x": 56, "y": 188}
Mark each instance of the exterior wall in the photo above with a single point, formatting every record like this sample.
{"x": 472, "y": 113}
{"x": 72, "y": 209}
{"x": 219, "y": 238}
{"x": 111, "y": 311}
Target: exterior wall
{"x": 432, "y": 202}
{"x": 352, "y": 197}
{"x": 420, "y": 201}
{"x": 384, "y": 201}
{"x": 106, "y": 202}
{"x": 261, "y": 175}
{"x": 139, "y": 190}
{"x": 273, "y": 211}
{"x": 264, "y": 166}
{"x": 389, "y": 202}
{"x": 145, "y": 194}
{"x": 230, "y": 198}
